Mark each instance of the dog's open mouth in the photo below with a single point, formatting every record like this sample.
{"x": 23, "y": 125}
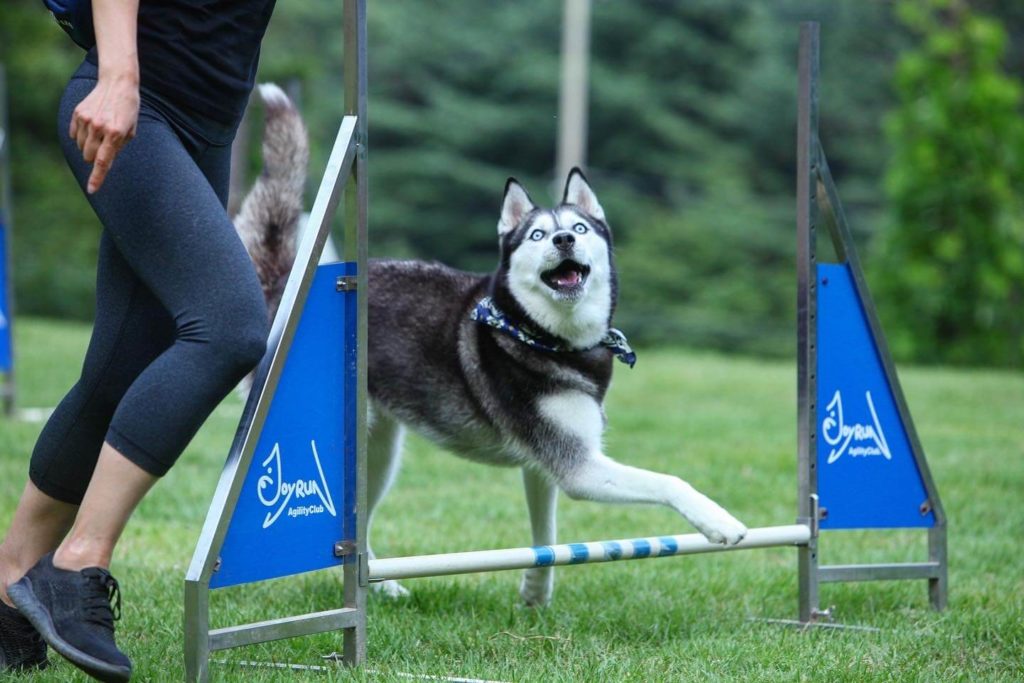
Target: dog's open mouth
{"x": 568, "y": 276}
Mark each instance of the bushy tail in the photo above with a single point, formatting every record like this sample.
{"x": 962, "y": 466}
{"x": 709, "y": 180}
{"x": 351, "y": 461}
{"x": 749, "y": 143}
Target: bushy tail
{"x": 268, "y": 219}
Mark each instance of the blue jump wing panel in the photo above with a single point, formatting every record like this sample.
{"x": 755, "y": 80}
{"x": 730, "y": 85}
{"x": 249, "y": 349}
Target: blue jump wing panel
{"x": 867, "y": 474}
{"x": 298, "y": 498}
{"x": 6, "y": 361}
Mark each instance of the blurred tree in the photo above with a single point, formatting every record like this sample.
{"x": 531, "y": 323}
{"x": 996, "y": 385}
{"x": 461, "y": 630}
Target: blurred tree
{"x": 951, "y": 277}
{"x": 55, "y": 233}
{"x": 715, "y": 266}
{"x": 691, "y": 141}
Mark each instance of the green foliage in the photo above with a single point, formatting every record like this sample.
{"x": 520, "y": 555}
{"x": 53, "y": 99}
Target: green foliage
{"x": 691, "y": 144}
{"x": 952, "y": 273}
{"x": 691, "y": 139}
{"x": 56, "y": 235}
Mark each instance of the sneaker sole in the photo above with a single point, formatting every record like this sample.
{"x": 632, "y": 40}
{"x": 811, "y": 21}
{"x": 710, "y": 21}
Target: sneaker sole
{"x": 24, "y": 598}
{"x": 24, "y": 667}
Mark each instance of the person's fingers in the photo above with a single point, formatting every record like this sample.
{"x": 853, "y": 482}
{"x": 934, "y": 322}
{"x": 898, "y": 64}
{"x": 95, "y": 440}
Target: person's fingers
{"x": 92, "y": 144}
{"x": 82, "y": 134}
{"x": 73, "y": 128}
{"x": 104, "y": 159}
{"x": 101, "y": 125}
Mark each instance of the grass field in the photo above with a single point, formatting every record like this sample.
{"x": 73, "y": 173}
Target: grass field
{"x": 728, "y": 425}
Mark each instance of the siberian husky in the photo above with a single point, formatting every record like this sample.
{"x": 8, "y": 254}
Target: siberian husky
{"x": 508, "y": 368}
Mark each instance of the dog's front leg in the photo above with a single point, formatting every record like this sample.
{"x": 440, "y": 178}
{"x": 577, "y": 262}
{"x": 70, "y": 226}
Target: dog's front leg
{"x": 383, "y": 459}
{"x": 600, "y": 478}
{"x": 542, "y": 499}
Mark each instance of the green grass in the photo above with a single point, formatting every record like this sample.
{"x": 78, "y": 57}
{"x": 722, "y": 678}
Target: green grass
{"x": 728, "y": 425}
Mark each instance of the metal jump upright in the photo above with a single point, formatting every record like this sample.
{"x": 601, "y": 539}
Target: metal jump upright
{"x": 818, "y": 199}
{"x": 230, "y": 553}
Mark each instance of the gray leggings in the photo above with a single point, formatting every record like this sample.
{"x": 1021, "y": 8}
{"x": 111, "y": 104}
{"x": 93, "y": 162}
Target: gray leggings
{"x": 180, "y": 316}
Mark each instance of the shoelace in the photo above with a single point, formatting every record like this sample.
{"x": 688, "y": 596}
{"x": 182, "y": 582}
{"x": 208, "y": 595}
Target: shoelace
{"x": 103, "y": 603}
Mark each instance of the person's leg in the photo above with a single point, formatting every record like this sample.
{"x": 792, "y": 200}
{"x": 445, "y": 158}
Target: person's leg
{"x": 116, "y": 488}
{"x": 169, "y": 225}
{"x": 130, "y": 330}
{"x": 117, "y": 484}
{"x": 163, "y": 214}
{"x": 221, "y": 334}
{"x": 40, "y": 523}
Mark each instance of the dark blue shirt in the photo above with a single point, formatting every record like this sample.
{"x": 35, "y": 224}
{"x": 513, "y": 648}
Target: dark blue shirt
{"x": 200, "y": 57}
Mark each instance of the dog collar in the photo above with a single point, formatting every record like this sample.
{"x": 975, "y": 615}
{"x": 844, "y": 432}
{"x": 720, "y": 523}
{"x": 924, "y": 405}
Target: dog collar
{"x": 487, "y": 313}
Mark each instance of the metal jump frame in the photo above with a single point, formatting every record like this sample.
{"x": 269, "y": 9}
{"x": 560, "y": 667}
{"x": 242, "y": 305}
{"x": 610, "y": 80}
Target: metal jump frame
{"x": 816, "y": 196}
{"x": 345, "y": 174}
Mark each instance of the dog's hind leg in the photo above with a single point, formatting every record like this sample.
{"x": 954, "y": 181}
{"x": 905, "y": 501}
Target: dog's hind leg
{"x": 383, "y": 459}
{"x": 585, "y": 472}
{"x": 542, "y": 499}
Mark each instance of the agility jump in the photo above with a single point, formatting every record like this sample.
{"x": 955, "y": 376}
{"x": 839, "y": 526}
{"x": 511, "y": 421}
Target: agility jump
{"x": 860, "y": 463}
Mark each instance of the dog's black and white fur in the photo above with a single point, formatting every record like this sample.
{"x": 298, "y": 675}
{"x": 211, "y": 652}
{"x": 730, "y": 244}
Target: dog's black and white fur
{"x": 485, "y": 395}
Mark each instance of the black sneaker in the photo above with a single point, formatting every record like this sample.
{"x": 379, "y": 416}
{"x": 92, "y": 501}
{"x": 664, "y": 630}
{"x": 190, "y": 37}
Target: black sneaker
{"x": 72, "y": 611}
{"x": 21, "y": 646}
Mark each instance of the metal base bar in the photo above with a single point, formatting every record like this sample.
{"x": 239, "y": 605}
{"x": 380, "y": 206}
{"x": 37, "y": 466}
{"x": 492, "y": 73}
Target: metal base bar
{"x": 879, "y": 572}
{"x": 279, "y": 629}
{"x": 577, "y": 553}
{"x": 805, "y": 625}
{"x": 319, "y": 668}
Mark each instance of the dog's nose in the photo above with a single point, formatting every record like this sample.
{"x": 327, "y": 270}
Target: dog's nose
{"x": 564, "y": 240}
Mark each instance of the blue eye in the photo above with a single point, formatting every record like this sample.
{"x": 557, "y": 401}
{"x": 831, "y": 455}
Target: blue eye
{"x": 579, "y": 228}
{"x": 537, "y": 235}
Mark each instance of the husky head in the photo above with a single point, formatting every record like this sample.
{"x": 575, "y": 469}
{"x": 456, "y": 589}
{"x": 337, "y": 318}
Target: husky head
{"x": 556, "y": 264}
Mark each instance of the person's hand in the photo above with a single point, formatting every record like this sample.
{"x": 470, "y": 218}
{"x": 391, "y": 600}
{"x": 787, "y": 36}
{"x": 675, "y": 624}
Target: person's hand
{"x": 104, "y": 122}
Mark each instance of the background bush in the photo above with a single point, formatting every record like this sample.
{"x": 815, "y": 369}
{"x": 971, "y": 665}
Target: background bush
{"x": 692, "y": 136}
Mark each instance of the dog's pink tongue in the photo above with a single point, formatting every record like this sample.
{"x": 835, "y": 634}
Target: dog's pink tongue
{"x": 570, "y": 279}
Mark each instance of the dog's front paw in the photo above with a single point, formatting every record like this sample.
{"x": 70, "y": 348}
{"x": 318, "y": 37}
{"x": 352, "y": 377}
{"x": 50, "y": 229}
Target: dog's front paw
{"x": 390, "y": 589}
{"x": 721, "y": 527}
{"x": 537, "y": 586}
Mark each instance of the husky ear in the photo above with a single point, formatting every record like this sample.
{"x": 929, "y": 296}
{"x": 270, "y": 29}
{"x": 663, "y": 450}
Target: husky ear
{"x": 515, "y": 207}
{"x": 578, "y": 192}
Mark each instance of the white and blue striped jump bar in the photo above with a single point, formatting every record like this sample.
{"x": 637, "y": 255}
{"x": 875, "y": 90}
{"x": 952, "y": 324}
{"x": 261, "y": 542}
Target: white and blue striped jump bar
{"x": 577, "y": 553}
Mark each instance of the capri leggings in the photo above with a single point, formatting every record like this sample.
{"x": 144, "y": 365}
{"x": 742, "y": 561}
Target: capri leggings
{"x": 180, "y": 315}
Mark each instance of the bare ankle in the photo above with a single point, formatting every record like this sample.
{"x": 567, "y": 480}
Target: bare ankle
{"x": 75, "y": 555}
{"x": 6, "y": 579}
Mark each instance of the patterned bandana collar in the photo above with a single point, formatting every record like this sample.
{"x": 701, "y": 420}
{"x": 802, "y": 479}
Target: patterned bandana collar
{"x": 487, "y": 313}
